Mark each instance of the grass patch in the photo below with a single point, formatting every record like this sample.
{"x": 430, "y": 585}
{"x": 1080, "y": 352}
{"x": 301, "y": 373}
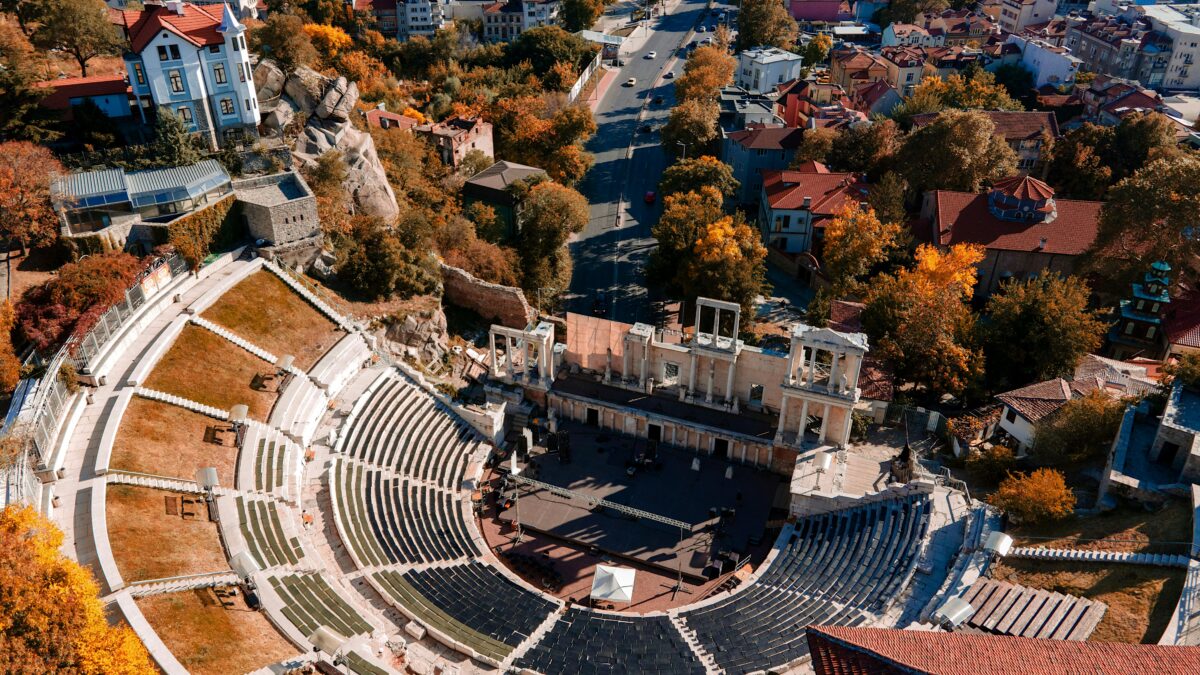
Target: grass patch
{"x": 265, "y": 311}
{"x": 1140, "y": 599}
{"x": 149, "y": 544}
{"x": 1127, "y": 528}
{"x": 205, "y": 367}
{"x": 207, "y": 637}
{"x": 167, "y": 440}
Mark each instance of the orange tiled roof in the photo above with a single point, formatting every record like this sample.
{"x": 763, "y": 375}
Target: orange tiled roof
{"x": 964, "y": 218}
{"x": 198, "y": 24}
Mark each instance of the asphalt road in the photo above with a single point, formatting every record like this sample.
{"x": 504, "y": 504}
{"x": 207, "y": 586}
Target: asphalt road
{"x": 610, "y": 255}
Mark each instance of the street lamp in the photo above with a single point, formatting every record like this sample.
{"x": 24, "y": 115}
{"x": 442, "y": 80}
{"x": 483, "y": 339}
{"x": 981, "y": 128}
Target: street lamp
{"x": 684, "y": 146}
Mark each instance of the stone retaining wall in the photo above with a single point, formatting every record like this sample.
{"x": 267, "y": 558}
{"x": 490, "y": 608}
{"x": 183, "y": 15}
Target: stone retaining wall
{"x": 503, "y": 304}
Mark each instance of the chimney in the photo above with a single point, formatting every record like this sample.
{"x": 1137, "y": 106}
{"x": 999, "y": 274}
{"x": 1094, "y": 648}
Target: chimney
{"x": 1042, "y": 244}
{"x": 807, "y": 203}
{"x": 175, "y": 6}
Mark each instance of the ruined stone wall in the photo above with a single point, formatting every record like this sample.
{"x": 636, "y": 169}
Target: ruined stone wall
{"x": 505, "y": 305}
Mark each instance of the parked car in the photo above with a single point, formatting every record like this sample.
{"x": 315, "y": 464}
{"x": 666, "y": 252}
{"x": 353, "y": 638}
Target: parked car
{"x": 647, "y": 129}
{"x": 670, "y": 75}
{"x": 652, "y": 55}
{"x": 650, "y": 197}
{"x": 631, "y": 82}
{"x": 600, "y": 304}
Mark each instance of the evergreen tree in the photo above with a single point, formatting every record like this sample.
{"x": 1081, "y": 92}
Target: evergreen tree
{"x": 173, "y": 143}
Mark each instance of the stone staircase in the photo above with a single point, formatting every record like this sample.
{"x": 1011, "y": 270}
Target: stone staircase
{"x": 140, "y": 589}
{"x": 1075, "y": 555}
{"x": 311, "y": 297}
{"x": 194, "y": 406}
{"x": 242, "y": 342}
{"x": 689, "y": 636}
{"x": 120, "y": 477}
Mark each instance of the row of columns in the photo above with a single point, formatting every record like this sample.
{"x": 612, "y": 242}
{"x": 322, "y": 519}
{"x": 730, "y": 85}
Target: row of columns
{"x": 804, "y": 420}
{"x": 520, "y": 345}
{"x": 712, "y": 373}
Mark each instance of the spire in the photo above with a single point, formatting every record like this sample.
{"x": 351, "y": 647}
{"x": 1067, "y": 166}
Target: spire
{"x": 229, "y": 21}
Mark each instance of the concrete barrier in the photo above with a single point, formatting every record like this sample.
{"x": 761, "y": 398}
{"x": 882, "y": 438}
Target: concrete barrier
{"x": 146, "y": 633}
{"x": 112, "y": 424}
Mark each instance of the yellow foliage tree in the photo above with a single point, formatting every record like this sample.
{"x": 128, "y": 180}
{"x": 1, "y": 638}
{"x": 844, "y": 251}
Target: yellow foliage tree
{"x": 952, "y": 270}
{"x": 51, "y": 618}
{"x": 855, "y": 241}
{"x": 415, "y": 114}
{"x": 329, "y": 40}
{"x": 704, "y": 73}
{"x": 727, "y": 262}
{"x": 1036, "y": 497}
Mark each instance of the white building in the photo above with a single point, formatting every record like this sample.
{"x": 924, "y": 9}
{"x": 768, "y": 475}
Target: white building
{"x": 419, "y": 17}
{"x": 1181, "y": 25}
{"x": 192, "y": 60}
{"x": 540, "y": 13}
{"x": 761, "y": 68}
{"x": 1049, "y": 64}
{"x": 910, "y": 35}
{"x": 794, "y": 204}
{"x": 1015, "y": 15}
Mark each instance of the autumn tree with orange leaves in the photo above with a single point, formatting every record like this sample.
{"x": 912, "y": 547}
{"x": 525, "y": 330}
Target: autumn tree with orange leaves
{"x": 51, "y": 618}
{"x": 855, "y": 241}
{"x": 727, "y": 263}
{"x": 26, "y": 214}
{"x": 919, "y": 319}
{"x": 704, "y": 73}
{"x": 532, "y": 130}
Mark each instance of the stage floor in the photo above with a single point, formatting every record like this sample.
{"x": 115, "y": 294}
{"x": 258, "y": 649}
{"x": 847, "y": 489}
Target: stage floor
{"x": 598, "y": 469}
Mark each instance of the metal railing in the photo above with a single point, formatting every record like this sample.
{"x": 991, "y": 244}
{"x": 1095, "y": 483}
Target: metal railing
{"x": 1189, "y": 609}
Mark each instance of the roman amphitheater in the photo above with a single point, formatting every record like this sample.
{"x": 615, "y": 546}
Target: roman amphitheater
{"x": 260, "y": 489}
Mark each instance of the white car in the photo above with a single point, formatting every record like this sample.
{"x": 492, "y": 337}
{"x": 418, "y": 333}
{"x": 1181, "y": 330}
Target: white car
{"x": 652, "y": 55}
{"x": 630, "y": 82}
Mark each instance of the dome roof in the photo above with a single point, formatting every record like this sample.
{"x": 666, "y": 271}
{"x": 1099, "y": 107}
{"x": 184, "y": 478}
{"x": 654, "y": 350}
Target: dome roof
{"x": 1024, "y": 187}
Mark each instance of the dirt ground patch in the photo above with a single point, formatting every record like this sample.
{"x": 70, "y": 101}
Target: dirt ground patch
{"x": 167, "y": 440}
{"x": 150, "y": 544}
{"x": 205, "y": 367}
{"x": 1127, "y": 528}
{"x": 263, "y": 310}
{"x": 208, "y": 637}
{"x": 1140, "y": 599}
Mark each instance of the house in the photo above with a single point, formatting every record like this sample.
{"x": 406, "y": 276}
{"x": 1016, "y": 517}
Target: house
{"x": 110, "y": 93}
{"x": 875, "y": 98}
{"x": 380, "y": 118}
{"x": 909, "y": 35}
{"x": 120, "y": 209}
{"x": 1153, "y": 46}
{"x": 843, "y": 650}
{"x": 192, "y": 60}
{"x": 1024, "y": 408}
{"x": 809, "y": 104}
{"x": 504, "y": 21}
{"x": 384, "y": 11}
{"x": 796, "y": 204}
{"x": 1137, "y": 327}
{"x": 821, "y": 11}
{"x": 957, "y": 26}
{"x": 952, "y": 60}
{"x": 851, "y": 67}
{"x": 905, "y": 67}
{"x": 1049, "y": 64}
{"x": 493, "y": 187}
{"x": 1026, "y": 132}
{"x": 1023, "y": 228}
{"x": 1052, "y": 32}
{"x": 760, "y": 69}
{"x": 456, "y": 136}
{"x": 755, "y": 149}
{"x": 740, "y": 109}
{"x": 1015, "y": 15}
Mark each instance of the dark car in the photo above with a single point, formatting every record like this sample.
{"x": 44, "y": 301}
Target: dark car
{"x": 600, "y": 304}
{"x": 650, "y": 197}
{"x": 646, "y": 128}
{"x": 670, "y": 75}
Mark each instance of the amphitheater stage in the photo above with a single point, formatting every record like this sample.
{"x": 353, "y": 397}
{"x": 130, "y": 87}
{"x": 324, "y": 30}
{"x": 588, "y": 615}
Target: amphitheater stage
{"x": 598, "y": 468}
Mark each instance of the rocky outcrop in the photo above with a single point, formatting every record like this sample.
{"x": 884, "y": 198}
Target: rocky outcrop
{"x": 425, "y": 333}
{"x": 327, "y": 105}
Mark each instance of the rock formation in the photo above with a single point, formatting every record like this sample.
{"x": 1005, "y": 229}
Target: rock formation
{"x": 327, "y": 105}
{"x": 425, "y": 333}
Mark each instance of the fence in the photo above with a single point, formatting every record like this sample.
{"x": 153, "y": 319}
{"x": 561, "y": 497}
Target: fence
{"x": 586, "y": 75}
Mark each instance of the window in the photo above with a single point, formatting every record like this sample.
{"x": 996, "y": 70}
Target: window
{"x": 1129, "y": 328}
{"x": 1011, "y": 415}
{"x": 139, "y": 75}
{"x": 242, "y": 69}
{"x": 174, "y": 52}
{"x": 1141, "y": 305}
{"x": 162, "y": 53}
{"x": 219, "y": 73}
{"x": 248, "y": 105}
{"x": 176, "y": 81}
{"x": 186, "y": 114}
{"x": 226, "y": 106}
{"x": 236, "y": 46}
{"x": 214, "y": 49}
{"x": 1151, "y": 331}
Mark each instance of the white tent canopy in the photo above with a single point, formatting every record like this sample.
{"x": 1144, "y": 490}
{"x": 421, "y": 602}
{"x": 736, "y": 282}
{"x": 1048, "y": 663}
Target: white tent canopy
{"x": 614, "y": 584}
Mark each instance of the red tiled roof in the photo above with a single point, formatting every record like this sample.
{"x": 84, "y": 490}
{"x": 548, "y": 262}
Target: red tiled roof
{"x": 757, "y": 137}
{"x": 1131, "y": 102}
{"x": 1183, "y": 320}
{"x": 198, "y": 24}
{"x": 1012, "y": 125}
{"x": 842, "y": 650}
{"x": 964, "y": 218}
{"x": 811, "y": 166}
{"x": 827, "y": 191}
{"x": 869, "y": 93}
{"x": 376, "y": 118}
{"x": 1024, "y": 187}
{"x": 1043, "y": 399}
{"x": 68, "y": 88}
{"x": 876, "y": 378}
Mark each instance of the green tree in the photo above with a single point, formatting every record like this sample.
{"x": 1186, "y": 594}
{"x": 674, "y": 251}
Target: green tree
{"x": 815, "y": 145}
{"x": 1016, "y": 79}
{"x": 21, "y": 116}
{"x": 693, "y": 173}
{"x": 887, "y": 198}
{"x": 1036, "y": 497}
{"x": 77, "y": 27}
{"x": 1083, "y": 428}
{"x": 765, "y": 22}
{"x": 904, "y": 11}
{"x": 374, "y": 262}
{"x": 173, "y": 143}
{"x": 550, "y": 213}
{"x": 473, "y": 162}
{"x": 1057, "y": 329}
{"x": 969, "y": 153}
{"x": 1150, "y": 216}
{"x": 544, "y": 46}
{"x": 691, "y": 128}
{"x": 1079, "y": 166}
{"x": 579, "y": 15}
{"x": 817, "y": 49}
{"x": 865, "y": 148}
{"x": 283, "y": 39}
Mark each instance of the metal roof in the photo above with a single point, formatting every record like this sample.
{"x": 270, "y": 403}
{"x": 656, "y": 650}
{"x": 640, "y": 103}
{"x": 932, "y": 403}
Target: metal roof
{"x": 142, "y": 188}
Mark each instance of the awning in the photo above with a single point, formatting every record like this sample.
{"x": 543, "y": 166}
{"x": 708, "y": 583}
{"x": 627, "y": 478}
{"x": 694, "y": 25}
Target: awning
{"x": 614, "y": 584}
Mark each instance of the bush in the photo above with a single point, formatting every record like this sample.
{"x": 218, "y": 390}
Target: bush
{"x": 76, "y": 298}
{"x": 1186, "y": 369}
{"x": 1035, "y": 498}
{"x": 1082, "y": 429}
{"x": 989, "y": 464}
{"x": 194, "y": 235}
